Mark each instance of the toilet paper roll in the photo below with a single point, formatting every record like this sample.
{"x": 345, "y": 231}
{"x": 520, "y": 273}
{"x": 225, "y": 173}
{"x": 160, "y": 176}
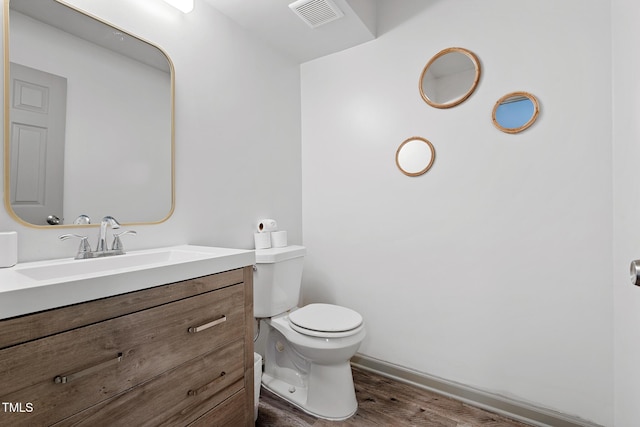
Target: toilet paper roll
{"x": 262, "y": 240}
{"x": 267, "y": 225}
{"x": 8, "y": 248}
{"x": 278, "y": 239}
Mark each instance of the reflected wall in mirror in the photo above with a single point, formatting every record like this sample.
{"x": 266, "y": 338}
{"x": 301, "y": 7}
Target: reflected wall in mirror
{"x": 515, "y": 112}
{"x": 89, "y": 118}
{"x": 415, "y": 156}
{"x": 450, "y": 77}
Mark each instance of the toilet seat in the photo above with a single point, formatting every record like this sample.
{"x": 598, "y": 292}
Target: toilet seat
{"x": 326, "y": 321}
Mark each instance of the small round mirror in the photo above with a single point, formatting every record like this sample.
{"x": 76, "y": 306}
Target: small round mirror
{"x": 415, "y": 156}
{"x": 515, "y": 112}
{"x": 449, "y": 78}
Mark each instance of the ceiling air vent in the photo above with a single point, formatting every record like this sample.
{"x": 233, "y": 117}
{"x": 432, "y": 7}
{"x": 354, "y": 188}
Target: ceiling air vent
{"x": 316, "y": 12}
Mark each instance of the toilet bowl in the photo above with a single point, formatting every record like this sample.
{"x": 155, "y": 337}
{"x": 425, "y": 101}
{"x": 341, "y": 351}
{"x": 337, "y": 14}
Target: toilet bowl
{"x": 324, "y": 333}
{"x": 309, "y": 367}
{"x": 307, "y": 350}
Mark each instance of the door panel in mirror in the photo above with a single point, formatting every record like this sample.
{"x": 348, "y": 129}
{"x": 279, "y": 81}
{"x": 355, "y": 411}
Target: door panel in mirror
{"x": 450, "y": 77}
{"x": 515, "y": 112}
{"x": 119, "y": 139}
{"x": 38, "y": 105}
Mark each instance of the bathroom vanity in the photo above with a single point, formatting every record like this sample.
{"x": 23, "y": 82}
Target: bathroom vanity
{"x": 179, "y": 353}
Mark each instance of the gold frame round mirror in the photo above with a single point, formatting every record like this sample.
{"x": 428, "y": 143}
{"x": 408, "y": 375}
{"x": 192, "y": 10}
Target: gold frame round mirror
{"x": 515, "y": 112}
{"x": 415, "y": 156}
{"x": 450, "y": 77}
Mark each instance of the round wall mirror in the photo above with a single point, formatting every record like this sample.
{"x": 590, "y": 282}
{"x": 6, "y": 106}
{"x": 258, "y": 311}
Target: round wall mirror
{"x": 415, "y": 156}
{"x": 449, "y": 78}
{"x": 515, "y": 112}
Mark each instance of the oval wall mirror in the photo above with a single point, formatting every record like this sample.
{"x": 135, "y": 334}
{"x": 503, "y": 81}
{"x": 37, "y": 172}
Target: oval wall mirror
{"x": 450, "y": 77}
{"x": 106, "y": 146}
{"x": 415, "y": 156}
{"x": 515, "y": 112}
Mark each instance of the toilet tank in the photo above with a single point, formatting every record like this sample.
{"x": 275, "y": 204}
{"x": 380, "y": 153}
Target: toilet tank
{"x": 277, "y": 279}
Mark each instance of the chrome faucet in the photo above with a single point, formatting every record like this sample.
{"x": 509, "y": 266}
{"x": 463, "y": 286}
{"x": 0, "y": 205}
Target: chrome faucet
{"x": 107, "y": 221}
{"x": 84, "y": 251}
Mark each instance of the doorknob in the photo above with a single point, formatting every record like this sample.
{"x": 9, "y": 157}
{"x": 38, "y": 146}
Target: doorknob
{"x": 634, "y": 272}
{"x": 53, "y": 220}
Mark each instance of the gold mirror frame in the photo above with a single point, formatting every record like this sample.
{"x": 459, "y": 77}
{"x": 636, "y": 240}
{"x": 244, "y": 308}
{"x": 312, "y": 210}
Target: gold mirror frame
{"x": 7, "y": 132}
{"x": 516, "y": 97}
{"x": 404, "y": 145}
{"x": 464, "y": 96}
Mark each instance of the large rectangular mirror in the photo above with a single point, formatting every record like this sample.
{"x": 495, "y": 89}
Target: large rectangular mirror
{"x": 89, "y": 119}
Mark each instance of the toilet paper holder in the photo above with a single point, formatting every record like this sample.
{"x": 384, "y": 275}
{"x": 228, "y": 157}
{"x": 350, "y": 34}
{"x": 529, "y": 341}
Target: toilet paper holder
{"x": 634, "y": 272}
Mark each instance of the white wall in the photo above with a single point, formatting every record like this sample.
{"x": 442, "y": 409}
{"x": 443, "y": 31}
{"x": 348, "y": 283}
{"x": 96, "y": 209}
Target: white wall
{"x": 237, "y": 132}
{"x": 493, "y": 269}
{"x": 626, "y": 191}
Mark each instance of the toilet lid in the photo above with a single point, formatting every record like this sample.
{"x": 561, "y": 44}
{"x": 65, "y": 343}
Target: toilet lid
{"x": 325, "y": 318}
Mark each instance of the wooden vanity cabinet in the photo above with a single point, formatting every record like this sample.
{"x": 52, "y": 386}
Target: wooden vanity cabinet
{"x": 177, "y": 354}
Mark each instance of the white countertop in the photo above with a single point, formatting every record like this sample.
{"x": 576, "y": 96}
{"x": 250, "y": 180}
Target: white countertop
{"x": 34, "y": 286}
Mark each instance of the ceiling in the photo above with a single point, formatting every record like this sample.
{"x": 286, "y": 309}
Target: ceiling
{"x": 70, "y": 20}
{"x": 274, "y": 22}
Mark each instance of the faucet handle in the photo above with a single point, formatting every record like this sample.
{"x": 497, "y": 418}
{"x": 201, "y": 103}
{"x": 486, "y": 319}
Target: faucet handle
{"x": 117, "y": 243}
{"x": 84, "y": 242}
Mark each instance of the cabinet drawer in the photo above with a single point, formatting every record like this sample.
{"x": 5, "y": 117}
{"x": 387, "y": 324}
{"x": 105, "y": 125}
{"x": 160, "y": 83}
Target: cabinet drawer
{"x": 37, "y": 325}
{"x": 176, "y": 397}
{"x": 65, "y": 373}
{"x": 231, "y": 412}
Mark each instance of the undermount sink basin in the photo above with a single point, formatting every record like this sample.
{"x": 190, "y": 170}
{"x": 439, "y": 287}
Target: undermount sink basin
{"x": 34, "y": 286}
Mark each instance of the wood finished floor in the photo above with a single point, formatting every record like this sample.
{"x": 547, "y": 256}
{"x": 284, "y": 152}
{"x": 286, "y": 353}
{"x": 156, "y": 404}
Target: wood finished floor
{"x": 385, "y": 402}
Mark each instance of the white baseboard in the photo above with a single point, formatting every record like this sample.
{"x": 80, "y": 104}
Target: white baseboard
{"x": 511, "y": 408}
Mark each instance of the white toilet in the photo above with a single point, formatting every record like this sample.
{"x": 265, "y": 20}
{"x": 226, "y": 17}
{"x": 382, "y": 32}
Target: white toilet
{"x": 307, "y": 349}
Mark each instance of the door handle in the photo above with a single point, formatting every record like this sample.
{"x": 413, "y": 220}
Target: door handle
{"x": 634, "y": 272}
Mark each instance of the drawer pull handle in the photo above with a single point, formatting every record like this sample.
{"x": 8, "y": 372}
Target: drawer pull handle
{"x": 195, "y": 329}
{"x": 206, "y": 386}
{"x": 63, "y": 379}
